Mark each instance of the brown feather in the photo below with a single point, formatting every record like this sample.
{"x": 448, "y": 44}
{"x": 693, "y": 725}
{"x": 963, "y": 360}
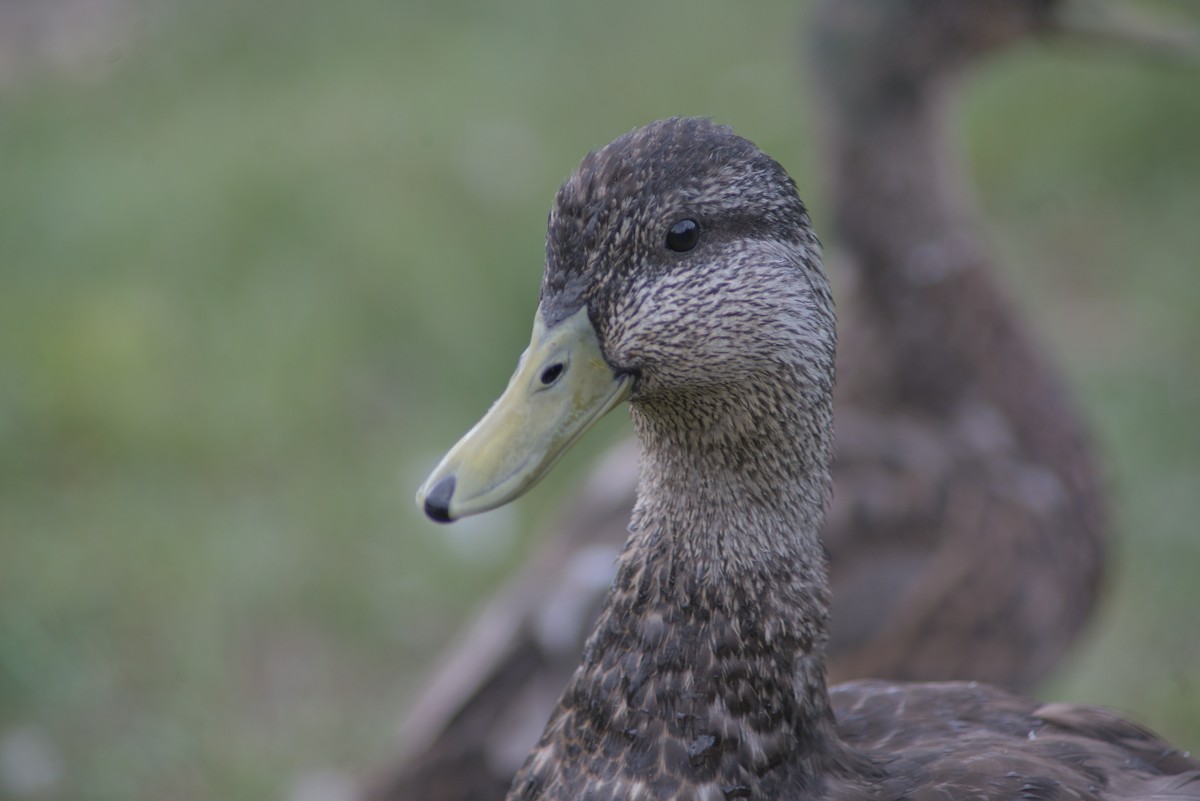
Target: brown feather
{"x": 704, "y": 676}
{"x": 968, "y": 520}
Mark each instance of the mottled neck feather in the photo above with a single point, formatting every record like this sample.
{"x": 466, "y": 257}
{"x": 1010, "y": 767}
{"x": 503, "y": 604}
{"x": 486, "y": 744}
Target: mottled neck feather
{"x": 737, "y": 475}
{"x": 705, "y": 675}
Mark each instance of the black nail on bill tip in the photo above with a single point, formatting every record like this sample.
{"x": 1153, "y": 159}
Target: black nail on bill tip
{"x": 437, "y": 502}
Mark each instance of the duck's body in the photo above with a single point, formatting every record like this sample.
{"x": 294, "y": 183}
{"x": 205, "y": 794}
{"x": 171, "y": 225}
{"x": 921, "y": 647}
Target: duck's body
{"x": 683, "y": 275}
{"x": 968, "y": 522}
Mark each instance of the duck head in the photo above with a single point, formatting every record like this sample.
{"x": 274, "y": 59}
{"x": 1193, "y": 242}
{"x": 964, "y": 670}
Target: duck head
{"x": 865, "y": 50}
{"x": 682, "y": 275}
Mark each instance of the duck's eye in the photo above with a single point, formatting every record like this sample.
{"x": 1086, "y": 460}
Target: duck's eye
{"x": 551, "y": 374}
{"x": 683, "y": 236}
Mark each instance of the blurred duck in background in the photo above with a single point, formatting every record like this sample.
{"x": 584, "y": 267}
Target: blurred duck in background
{"x": 968, "y": 526}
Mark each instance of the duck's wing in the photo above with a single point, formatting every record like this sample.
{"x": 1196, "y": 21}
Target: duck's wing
{"x": 968, "y": 740}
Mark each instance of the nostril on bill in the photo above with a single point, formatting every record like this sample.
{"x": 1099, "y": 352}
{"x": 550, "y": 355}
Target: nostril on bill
{"x": 437, "y": 502}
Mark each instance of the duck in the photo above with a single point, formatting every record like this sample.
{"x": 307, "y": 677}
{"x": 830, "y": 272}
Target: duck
{"x": 970, "y": 522}
{"x": 683, "y": 279}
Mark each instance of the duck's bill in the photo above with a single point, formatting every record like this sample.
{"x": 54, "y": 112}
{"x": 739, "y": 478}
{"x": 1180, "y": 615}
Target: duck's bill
{"x": 562, "y": 386}
{"x": 1107, "y": 23}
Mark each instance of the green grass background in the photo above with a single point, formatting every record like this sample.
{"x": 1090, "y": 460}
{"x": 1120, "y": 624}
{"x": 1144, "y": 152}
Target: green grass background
{"x": 261, "y": 263}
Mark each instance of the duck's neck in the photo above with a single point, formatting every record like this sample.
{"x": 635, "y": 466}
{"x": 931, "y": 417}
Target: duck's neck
{"x": 737, "y": 482}
{"x": 923, "y": 274}
{"x": 706, "y": 667}
{"x": 899, "y": 203}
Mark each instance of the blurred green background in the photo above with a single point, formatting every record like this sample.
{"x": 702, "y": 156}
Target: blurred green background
{"x": 261, "y": 262}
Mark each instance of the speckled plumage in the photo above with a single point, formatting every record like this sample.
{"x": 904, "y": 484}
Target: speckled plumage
{"x": 969, "y": 515}
{"x": 718, "y": 610}
{"x": 704, "y": 677}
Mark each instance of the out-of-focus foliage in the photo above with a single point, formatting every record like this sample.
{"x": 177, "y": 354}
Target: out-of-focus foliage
{"x": 260, "y": 262}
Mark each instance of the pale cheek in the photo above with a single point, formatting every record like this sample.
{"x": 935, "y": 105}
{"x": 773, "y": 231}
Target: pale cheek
{"x": 695, "y": 326}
